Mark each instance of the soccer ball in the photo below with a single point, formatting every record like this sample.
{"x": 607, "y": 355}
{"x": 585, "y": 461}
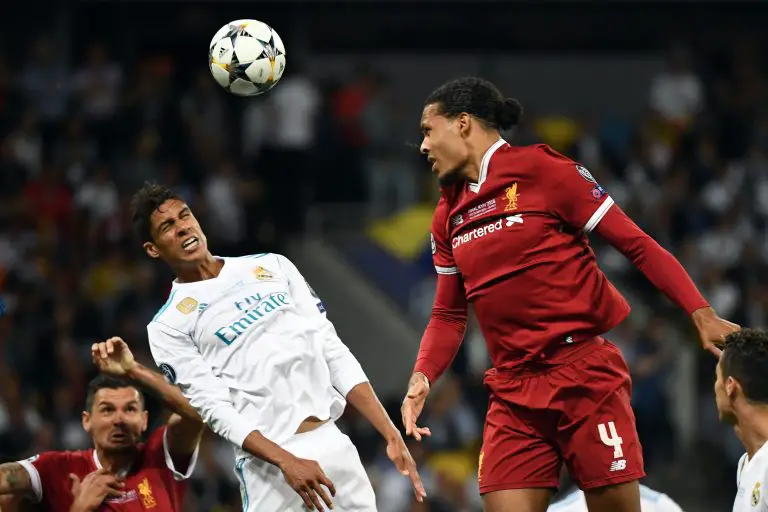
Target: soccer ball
{"x": 246, "y": 57}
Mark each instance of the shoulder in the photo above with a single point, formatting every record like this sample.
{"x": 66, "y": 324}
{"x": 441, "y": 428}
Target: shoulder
{"x": 268, "y": 261}
{"x": 153, "y": 447}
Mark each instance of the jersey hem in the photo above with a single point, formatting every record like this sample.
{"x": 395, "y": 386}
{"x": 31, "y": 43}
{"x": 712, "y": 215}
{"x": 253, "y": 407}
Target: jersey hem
{"x": 618, "y": 479}
{"x": 535, "y": 484}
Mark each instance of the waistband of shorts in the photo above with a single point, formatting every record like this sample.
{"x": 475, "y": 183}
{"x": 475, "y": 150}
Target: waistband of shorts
{"x": 545, "y": 361}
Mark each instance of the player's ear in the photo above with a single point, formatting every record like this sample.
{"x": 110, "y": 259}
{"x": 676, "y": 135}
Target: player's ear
{"x": 464, "y": 123}
{"x": 732, "y": 387}
{"x": 151, "y": 250}
{"x": 86, "y": 419}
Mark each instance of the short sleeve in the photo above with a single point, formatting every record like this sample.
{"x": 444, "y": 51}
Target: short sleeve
{"x": 442, "y": 254}
{"x": 571, "y": 192}
{"x": 46, "y": 471}
{"x": 156, "y": 450}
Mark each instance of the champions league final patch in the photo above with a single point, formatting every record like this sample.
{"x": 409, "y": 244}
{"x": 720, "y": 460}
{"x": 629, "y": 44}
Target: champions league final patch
{"x": 168, "y": 372}
{"x": 585, "y": 173}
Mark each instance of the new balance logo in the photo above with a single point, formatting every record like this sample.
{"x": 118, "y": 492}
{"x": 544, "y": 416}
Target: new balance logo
{"x": 618, "y": 465}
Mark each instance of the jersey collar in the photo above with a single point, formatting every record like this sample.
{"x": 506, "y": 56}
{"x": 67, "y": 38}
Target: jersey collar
{"x": 475, "y": 187}
{"x": 96, "y": 462}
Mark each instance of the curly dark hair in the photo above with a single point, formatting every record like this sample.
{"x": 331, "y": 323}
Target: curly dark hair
{"x": 479, "y": 98}
{"x": 144, "y": 203}
{"x": 745, "y": 358}
{"x": 106, "y": 381}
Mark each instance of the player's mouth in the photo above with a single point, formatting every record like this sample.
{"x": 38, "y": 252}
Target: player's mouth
{"x": 118, "y": 437}
{"x": 434, "y": 163}
{"x": 190, "y": 244}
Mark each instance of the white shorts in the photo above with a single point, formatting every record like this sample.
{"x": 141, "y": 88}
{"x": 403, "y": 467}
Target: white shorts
{"x": 263, "y": 488}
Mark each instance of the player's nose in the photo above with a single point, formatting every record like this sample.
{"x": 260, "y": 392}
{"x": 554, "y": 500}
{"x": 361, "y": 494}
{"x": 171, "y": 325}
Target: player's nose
{"x": 424, "y": 148}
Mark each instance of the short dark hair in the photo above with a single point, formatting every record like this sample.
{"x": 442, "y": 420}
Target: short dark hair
{"x": 106, "y": 381}
{"x": 479, "y": 98}
{"x": 144, "y": 203}
{"x": 745, "y": 358}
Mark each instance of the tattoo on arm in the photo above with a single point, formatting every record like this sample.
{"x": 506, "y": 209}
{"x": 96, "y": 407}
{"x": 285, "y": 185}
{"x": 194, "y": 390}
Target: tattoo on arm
{"x": 14, "y": 479}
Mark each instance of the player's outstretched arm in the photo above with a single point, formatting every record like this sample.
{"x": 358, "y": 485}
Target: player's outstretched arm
{"x": 666, "y": 273}
{"x": 185, "y": 426}
{"x": 439, "y": 344}
{"x": 15, "y": 479}
{"x": 364, "y": 399}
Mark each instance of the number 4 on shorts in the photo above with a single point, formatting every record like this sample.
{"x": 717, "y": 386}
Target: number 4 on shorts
{"x": 611, "y": 440}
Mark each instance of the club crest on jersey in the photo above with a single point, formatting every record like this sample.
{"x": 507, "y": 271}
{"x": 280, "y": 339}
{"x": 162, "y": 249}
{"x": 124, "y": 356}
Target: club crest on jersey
{"x": 457, "y": 219}
{"x": 585, "y": 173}
{"x": 147, "y": 498}
{"x": 755, "y": 495}
{"x": 262, "y": 274}
{"x": 511, "y": 195}
{"x": 187, "y": 305}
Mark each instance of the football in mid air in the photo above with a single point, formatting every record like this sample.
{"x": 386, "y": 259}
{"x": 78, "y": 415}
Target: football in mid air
{"x": 246, "y": 57}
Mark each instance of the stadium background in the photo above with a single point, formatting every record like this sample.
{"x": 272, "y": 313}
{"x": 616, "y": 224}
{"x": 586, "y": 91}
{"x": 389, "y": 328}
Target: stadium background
{"x": 664, "y": 103}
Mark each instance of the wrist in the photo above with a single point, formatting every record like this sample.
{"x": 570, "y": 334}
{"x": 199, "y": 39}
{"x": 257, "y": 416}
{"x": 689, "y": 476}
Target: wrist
{"x": 132, "y": 370}
{"x": 421, "y": 376}
{"x": 702, "y": 314}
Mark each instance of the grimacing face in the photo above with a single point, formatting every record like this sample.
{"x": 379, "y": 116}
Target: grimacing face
{"x": 724, "y": 388}
{"x": 116, "y": 420}
{"x": 444, "y": 143}
{"x": 176, "y": 234}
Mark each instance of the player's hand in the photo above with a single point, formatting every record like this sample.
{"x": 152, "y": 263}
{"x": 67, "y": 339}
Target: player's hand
{"x": 307, "y": 478}
{"x": 400, "y": 456}
{"x": 418, "y": 389}
{"x": 113, "y": 356}
{"x": 90, "y": 493}
{"x": 712, "y": 329}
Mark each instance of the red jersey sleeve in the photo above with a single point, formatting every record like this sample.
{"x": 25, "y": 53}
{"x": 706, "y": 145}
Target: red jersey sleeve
{"x": 49, "y": 472}
{"x": 442, "y": 254}
{"x": 571, "y": 192}
{"x": 157, "y": 454}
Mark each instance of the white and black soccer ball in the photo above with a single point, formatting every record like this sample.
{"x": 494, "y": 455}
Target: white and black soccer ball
{"x": 246, "y": 57}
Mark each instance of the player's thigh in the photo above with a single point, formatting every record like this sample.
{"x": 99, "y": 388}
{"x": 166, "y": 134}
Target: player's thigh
{"x": 517, "y": 500}
{"x": 515, "y": 454}
{"x": 342, "y": 465}
{"x": 624, "y": 497}
{"x": 597, "y": 433}
{"x": 264, "y": 489}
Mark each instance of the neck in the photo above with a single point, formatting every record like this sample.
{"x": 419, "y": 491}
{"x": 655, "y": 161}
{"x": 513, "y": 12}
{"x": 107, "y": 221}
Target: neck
{"x": 114, "y": 462}
{"x": 752, "y": 428}
{"x": 208, "y": 268}
{"x": 477, "y": 150}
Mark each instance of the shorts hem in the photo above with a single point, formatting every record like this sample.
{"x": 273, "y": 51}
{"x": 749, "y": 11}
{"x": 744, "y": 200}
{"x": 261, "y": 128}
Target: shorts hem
{"x": 619, "y": 479}
{"x": 548, "y": 484}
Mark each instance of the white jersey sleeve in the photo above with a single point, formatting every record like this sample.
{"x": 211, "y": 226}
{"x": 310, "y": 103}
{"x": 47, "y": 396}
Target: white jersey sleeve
{"x": 177, "y": 357}
{"x": 346, "y": 371}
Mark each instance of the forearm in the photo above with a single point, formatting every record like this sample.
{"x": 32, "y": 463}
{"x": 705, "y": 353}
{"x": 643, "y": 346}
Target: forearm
{"x": 445, "y": 331}
{"x": 261, "y": 447}
{"x": 14, "y": 479}
{"x": 170, "y": 395}
{"x": 364, "y": 399}
{"x": 662, "y": 269}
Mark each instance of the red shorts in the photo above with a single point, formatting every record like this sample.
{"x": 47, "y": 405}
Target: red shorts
{"x": 577, "y": 412}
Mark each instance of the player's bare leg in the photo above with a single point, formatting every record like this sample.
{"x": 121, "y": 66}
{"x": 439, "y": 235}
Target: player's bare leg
{"x": 614, "y": 498}
{"x": 517, "y": 500}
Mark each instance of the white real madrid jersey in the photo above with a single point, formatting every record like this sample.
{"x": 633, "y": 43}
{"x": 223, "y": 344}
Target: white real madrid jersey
{"x": 252, "y": 349}
{"x": 752, "y": 478}
{"x": 650, "y": 501}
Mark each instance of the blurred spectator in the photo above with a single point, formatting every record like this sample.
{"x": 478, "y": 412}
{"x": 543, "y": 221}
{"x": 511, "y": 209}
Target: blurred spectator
{"x": 677, "y": 94}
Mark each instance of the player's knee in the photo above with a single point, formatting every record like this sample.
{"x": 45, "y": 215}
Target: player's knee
{"x": 622, "y": 497}
{"x": 517, "y": 500}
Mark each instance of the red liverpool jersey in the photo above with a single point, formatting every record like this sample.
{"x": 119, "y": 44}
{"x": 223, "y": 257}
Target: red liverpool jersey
{"x": 151, "y": 484}
{"x": 518, "y": 237}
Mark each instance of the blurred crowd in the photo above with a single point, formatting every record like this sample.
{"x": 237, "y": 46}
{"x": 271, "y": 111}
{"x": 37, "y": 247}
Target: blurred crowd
{"x": 78, "y": 139}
